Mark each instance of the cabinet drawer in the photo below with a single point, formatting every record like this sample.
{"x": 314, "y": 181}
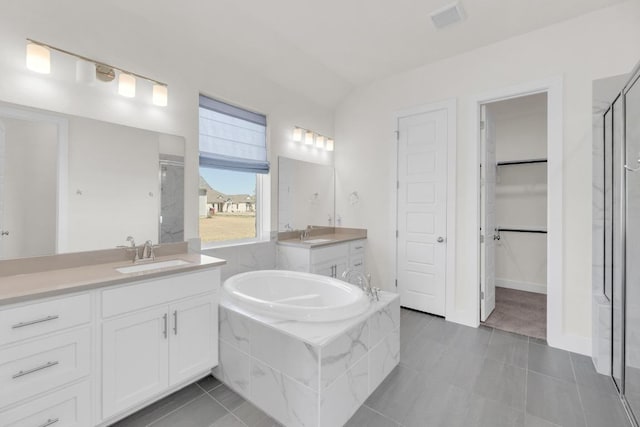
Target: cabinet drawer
{"x": 158, "y": 291}
{"x": 356, "y": 247}
{"x": 328, "y": 253}
{"x": 357, "y": 262}
{"x": 37, "y": 366}
{"x": 69, "y": 407}
{"x": 41, "y": 318}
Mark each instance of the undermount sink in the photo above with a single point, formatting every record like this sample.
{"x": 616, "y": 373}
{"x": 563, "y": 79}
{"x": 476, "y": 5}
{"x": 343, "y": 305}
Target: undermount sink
{"x": 314, "y": 241}
{"x": 152, "y": 266}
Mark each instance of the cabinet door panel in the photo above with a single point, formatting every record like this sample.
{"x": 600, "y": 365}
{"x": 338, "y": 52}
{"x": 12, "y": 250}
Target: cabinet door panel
{"x": 135, "y": 359}
{"x": 193, "y": 342}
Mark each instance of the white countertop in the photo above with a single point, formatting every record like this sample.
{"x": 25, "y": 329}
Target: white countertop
{"x": 24, "y": 287}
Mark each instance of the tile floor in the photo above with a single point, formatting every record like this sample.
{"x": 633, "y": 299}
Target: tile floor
{"x": 449, "y": 375}
{"x": 521, "y": 312}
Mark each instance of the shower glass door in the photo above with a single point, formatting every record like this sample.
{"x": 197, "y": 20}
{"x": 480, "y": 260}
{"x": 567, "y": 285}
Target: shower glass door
{"x": 632, "y": 248}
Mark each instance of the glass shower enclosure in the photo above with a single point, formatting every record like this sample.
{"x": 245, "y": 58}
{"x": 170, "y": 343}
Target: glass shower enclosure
{"x": 622, "y": 238}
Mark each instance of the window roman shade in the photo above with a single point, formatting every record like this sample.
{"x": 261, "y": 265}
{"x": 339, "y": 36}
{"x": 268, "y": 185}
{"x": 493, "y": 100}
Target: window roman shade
{"x": 232, "y": 138}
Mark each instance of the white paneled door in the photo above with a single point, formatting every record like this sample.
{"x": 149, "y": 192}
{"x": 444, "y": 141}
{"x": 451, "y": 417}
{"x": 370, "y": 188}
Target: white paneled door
{"x": 488, "y": 215}
{"x": 422, "y": 208}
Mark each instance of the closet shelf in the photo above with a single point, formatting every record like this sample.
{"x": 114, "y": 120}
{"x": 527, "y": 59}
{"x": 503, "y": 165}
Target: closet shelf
{"x": 521, "y": 162}
{"x": 522, "y": 230}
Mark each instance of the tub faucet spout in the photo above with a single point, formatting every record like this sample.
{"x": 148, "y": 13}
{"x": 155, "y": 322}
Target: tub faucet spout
{"x": 363, "y": 281}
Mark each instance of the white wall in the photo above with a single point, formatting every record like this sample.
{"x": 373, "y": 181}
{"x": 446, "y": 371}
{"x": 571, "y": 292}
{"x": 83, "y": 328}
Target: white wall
{"x": 521, "y": 191}
{"x": 134, "y": 43}
{"x": 580, "y": 50}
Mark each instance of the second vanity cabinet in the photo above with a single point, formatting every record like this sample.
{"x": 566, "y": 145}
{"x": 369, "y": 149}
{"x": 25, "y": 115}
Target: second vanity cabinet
{"x": 329, "y": 260}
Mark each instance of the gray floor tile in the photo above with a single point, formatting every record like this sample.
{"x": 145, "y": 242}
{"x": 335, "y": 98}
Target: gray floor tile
{"x": 458, "y": 367}
{"x": 208, "y": 383}
{"x": 162, "y": 407}
{"x": 440, "y": 330}
{"x": 510, "y": 348}
{"x": 251, "y": 415}
{"x": 554, "y": 400}
{"x": 369, "y": 418}
{"x": 228, "y": 421}
{"x": 503, "y": 383}
{"x": 202, "y": 412}
{"x": 438, "y": 405}
{"x": 602, "y": 409}
{"x": 490, "y": 413}
{"x": 473, "y": 340}
{"x": 227, "y": 397}
{"x": 533, "y": 421}
{"x": 586, "y": 375}
{"x": 550, "y": 361}
{"x": 394, "y": 397}
{"x": 411, "y": 324}
{"x": 422, "y": 354}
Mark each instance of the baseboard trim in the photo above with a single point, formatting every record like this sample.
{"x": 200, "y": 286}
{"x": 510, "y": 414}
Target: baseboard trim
{"x": 573, "y": 343}
{"x": 521, "y": 286}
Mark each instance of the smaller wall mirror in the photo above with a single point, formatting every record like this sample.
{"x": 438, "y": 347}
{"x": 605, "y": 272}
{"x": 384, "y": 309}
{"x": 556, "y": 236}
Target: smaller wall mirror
{"x": 306, "y": 194}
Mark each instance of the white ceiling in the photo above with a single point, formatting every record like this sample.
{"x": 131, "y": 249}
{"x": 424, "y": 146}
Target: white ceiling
{"x": 322, "y": 49}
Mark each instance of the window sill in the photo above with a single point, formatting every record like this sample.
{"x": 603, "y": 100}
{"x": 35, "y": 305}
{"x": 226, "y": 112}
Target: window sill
{"x": 232, "y": 243}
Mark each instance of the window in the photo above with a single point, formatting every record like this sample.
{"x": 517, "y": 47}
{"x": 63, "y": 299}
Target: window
{"x": 233, "y": 160}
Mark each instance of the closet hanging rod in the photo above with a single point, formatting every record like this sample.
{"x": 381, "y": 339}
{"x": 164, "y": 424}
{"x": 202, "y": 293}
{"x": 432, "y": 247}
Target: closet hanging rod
{"x": 521, "y": 162}
{"x": 522, "y": 230}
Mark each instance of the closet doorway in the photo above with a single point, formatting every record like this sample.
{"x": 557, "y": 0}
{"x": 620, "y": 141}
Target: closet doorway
{"x": 513, "y": 214}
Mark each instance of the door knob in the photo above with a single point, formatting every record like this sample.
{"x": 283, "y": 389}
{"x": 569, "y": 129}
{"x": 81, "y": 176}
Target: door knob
{"x": 4, "y": 233}
{"x": 440, "y": 239}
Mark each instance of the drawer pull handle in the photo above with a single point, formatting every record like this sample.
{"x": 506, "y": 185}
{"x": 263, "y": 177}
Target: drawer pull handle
{"x": 36, "y": 369}
{"x": 49, "y": 422}
{"x": 357, "y": 264}
{"x": 164, "y": 319}
{"x": 175, "y": 322}
{"x": 358, "y": 247}
{"x": 33, "y": 322}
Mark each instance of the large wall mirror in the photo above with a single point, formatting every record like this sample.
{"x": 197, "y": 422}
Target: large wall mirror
{"x": 306, "y": 194}
{"x": 71, "y": 184}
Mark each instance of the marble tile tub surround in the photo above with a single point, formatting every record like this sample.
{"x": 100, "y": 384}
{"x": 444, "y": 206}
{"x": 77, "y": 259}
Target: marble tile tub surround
{"x": 334, "y": 234}
{"x": 309, "y": 374}
{"x": 244, "y": 258}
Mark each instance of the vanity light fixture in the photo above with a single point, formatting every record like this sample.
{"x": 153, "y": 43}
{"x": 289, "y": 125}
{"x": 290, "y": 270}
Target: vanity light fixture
{"x": 87, "y": 70}
{"x": 126, "y": 85}
{"x": 38, "y": 58}
{"x": 312, "y": 139}
{"x": 297, "y": 134}
{"x": 308, "y": 138}
{"x": 329, "y": 145}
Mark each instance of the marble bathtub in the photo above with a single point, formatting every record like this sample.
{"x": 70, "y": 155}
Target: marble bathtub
{"x": 308, "y": 373}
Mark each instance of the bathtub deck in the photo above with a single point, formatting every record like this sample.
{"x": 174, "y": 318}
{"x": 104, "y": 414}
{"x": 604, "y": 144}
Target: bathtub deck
{"x": 309, "y": 374}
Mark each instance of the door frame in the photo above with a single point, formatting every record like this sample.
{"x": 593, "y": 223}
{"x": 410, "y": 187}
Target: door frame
{"x": 62, "y": 169}
{"x": 553, "y": 87}
{"x": 450, "y": 106}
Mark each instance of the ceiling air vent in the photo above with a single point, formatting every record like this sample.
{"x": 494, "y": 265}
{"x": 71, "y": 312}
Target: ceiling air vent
{"x": 448, "y": 15}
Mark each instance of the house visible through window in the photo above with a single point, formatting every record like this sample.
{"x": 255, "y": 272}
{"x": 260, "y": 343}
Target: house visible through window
{"x": 233, "y": 158}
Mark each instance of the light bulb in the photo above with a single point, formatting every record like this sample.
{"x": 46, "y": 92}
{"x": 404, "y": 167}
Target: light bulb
{"x": 85, "y": 72}
{"x": 297, "y": 134}
{"x": 308, "y": 138}
{"x": 160, "y": 95}
{"x": 38, "y": 58}
{"x": 127, "y": 85}
{"x": 330, "y": 143}
{"x": 320, "y": 141}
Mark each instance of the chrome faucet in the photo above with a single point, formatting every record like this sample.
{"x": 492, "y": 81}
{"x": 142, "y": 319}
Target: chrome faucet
{"x": 363, "y": 281}
{"x": 147, "y": 251}
{"x": 133, "y": 247}
{"x": 304, "y": 234}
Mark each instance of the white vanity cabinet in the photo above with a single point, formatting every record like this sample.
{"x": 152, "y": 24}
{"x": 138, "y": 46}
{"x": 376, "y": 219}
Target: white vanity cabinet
{"x": 330, "y": 260}
{"x": 91, "y": 358}
{"x": 169, "y": 337}
{"x": 45, "y": 362}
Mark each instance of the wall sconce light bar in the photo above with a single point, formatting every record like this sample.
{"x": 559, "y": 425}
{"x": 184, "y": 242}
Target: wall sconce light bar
{"x": 104, "y": 71}
{"x": 312, "y": 139}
